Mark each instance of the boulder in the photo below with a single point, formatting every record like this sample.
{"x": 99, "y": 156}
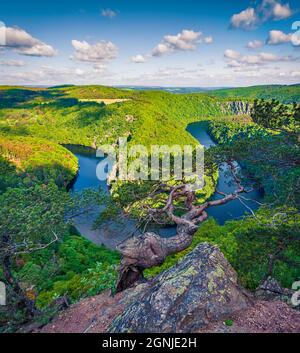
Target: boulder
{"x": 200, "y": 289}
{"x": 270, "y": 289}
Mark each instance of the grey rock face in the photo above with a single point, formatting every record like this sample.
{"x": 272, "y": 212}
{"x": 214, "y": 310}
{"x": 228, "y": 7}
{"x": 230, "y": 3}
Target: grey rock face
{"x": 198, "y": 290}
{"x": 240, "y": 107}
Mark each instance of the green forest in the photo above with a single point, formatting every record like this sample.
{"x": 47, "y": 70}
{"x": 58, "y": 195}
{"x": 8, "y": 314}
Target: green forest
{"x": 45, "y": 260}
{"x": 284, "y": 94}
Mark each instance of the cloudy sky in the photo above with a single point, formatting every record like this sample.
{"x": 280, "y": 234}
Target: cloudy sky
{"x": 149, "y": 42}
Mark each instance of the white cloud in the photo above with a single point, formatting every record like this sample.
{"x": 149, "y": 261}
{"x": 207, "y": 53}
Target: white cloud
{"x": 49, "y": 75}
{"x": 109, "y": 13}
{"x": 44, "y": 74}
{"x": 17, "y": 63}
{"x": 289, "y": 74}
{"x": 295, "y": 74}
{"x": 138, "y": 59}
{"x": 246, "y": 19}
{"x": 282, "y": 11}
{"x": 25, "y": 44}
{"x": 266, "y": 10}
{"x": 161, "y": 49}
{"x": 208, "y": 40}
{"x": 98, "y": 52}
{"x": 41, "y": 49}
{"x": 79, "y": 72}
{"x": 99, "y": 67}
{"x": 278, "y": 37}
{"x": 252, "y": 75}
{"x": 232, "y": 54}
{"x": 186, "y": 40}
{"x": 168, "y": 76}
{"x": 254, "y": 44}
{"x": 270, "y": 57}
{"x": 236, "y": 59}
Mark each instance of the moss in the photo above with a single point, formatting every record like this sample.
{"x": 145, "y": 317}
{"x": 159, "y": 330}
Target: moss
{"x": 213, "y": 278}
{"x": 180, "y": 283}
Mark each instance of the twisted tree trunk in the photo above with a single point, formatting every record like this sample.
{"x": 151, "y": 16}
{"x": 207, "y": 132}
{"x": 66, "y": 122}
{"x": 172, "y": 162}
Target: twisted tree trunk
{"x": 149, "y": 249}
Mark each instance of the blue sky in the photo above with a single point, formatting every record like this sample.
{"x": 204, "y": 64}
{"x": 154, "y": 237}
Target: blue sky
{"x": 150, "y": 42}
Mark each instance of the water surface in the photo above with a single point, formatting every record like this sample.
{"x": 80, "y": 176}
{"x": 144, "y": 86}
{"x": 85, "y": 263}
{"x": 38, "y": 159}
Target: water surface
{"x": 110, "y": 233}
{"x": 234, "y": 209}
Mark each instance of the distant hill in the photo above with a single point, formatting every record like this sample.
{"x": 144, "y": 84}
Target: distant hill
{"x": 178, "y": 90}
{"x": 91, "y": 92}
{"x": 283, "y": 93}
{"x": 17, "y": 94}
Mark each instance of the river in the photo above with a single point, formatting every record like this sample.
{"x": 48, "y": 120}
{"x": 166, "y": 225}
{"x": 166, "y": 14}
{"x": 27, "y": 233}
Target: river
{"x": 233, "y": 209}
{"x": 112, "y": 233}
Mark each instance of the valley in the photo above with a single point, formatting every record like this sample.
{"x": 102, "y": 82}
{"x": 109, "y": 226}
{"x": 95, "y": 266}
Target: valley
{"x": 49, "y": 189}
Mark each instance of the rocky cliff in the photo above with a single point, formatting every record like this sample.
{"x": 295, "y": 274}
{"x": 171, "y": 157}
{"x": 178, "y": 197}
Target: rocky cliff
{"x": 239, "y": 107}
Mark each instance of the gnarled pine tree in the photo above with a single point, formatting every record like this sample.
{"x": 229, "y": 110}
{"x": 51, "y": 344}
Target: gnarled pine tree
{"x": 149, "y": 249}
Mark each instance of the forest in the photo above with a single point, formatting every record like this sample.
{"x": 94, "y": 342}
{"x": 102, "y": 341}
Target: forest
{"x": 45, "y": 261}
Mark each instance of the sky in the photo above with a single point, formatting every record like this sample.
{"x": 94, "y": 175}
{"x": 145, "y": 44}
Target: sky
{"x": 190, "y": 43}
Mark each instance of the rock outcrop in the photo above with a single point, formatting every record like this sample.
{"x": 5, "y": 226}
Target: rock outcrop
{"x": 240, "y": 107}
{"x": 271, "y": 290}
{"x": 200, "y": 289}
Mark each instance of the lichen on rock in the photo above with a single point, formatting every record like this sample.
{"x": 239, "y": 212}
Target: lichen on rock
{"x": 201, "y": 288}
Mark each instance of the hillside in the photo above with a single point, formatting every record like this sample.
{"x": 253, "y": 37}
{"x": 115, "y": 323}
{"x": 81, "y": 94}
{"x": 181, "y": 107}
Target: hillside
{"x": 36, "y": 158}
{"x": 282, "y": 93}
{"x": 58, "y": 115}
{"x": 91, "y": 92}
